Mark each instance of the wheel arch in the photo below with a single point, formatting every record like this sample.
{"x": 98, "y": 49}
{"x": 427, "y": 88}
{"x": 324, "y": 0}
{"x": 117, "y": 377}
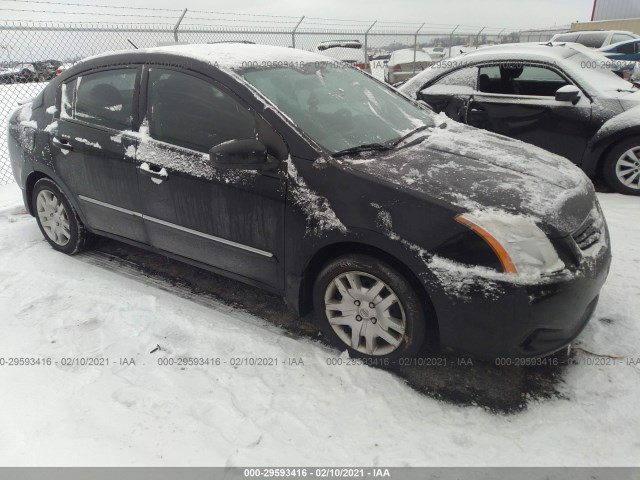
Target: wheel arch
{"x": 335, "y": 250}
{"x": 36, "y": 175}
{"x": 594, "y": 162}
{"x": 30, "y": 185}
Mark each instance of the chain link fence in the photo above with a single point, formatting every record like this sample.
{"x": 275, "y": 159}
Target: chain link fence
{"x": 30, "y": 52}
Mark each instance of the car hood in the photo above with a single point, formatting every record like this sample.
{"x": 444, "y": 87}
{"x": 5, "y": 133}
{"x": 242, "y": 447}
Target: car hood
{"x": 474, "y": 170}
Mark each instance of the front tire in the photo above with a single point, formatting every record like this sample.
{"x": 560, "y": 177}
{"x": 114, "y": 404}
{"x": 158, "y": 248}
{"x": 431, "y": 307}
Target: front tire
{"x": 622, "y": 167}
{"x": 58, "y": 221}
{"x": 367, "y": 306}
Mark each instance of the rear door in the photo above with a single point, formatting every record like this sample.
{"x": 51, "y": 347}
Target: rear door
{"x": 518, "y": 100}
{"x": 94, "y": 152}
{"x": 232, "y": 220}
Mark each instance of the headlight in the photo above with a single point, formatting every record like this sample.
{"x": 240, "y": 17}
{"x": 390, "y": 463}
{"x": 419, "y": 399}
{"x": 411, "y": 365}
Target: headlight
{"x": 520, "y": 245}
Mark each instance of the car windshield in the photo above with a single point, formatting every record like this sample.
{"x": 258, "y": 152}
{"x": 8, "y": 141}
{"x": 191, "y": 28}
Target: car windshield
{"x": 339, "y": 107}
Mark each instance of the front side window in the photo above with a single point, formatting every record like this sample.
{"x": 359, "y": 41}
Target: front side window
{"x": 105, "y": 98}
{"x": 190, "y": 112}
{"x": 520, "y": 79}
{"x": 339, "y": 108}
{"x": 465, "y": 77}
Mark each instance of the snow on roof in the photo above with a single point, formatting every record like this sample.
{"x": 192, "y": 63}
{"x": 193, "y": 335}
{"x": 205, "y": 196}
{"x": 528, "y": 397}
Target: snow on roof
{"x": 232, "y": 56}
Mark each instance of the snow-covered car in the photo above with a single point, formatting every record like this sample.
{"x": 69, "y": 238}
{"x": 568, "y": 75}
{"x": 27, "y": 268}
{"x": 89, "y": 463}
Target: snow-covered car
{"x": 436, "y": 53}
{"x": 595, "y": 38}
{"x": 404, "y": 64}
{"x": 321, "y": 184}
{"x": 350, "y": 52}
{"x": 563, "y": 99}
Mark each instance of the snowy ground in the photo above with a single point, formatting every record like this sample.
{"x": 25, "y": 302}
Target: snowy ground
{"x": 55, "y": 306}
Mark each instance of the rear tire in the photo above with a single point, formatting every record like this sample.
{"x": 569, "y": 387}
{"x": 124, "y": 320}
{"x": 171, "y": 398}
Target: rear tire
{"x": 366, "y": 306}
{"x": 622, "y": 167}
{"x": 57, "y": 219}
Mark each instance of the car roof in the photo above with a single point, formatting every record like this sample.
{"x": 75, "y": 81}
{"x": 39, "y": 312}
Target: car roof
{"x": 527, "y": 51}
{"x": 226, "y": 56}
{"x": 603, "y": 32}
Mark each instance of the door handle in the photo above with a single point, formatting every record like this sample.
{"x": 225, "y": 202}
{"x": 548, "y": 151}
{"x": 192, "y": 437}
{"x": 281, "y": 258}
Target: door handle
{"x": 156, "y": 173}
{"x": 62, "y": 143}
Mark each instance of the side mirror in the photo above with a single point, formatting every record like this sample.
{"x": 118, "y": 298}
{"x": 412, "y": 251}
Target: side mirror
{"x": 568, "y": 93}
{"x": 244, "y": 154}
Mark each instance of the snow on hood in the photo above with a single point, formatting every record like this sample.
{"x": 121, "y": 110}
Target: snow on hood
{"x": 475, "y": 170}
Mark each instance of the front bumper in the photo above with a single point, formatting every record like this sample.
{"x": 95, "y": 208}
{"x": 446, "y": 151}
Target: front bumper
{"x": 524, "y": 320}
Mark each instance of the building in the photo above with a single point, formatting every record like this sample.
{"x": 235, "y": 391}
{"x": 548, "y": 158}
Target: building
{"x": 613, "y": 15}
{"x": 615, "y": 9}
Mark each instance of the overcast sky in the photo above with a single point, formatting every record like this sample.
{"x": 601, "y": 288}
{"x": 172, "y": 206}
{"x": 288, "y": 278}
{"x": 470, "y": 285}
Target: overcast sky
{"x": 510, "y": 14}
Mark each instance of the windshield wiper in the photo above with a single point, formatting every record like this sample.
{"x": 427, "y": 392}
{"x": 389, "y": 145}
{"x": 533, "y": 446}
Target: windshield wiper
{"x": 363, "y": 148}
{"x": 411, "y": 133}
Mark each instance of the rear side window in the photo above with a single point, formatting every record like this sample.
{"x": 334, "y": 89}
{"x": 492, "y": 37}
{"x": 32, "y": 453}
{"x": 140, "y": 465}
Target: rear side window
{"x": 192, "y": 113}
{"x": 592, "y": 40}
{"x": 106, "y": 98}
{"x": 567, "y": 37}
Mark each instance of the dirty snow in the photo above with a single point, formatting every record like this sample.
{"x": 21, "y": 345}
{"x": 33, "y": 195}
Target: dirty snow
{"x": 158, "y": 415}
{"x": 320, "y": 216}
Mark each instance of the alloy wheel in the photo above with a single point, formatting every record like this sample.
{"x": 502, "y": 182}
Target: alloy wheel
{"x": 53, "y": 217}
{"x": 628, "y": 168}
{"x": 365, "y": 313}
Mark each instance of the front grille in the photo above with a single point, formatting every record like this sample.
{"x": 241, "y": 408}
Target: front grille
{"x": 590, "y": 231}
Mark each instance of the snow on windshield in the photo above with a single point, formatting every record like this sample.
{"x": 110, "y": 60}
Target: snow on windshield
{"x": 337, "y": 106}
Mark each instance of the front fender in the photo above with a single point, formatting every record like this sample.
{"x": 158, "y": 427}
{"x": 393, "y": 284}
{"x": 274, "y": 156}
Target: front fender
{"x": 622, "y": 126}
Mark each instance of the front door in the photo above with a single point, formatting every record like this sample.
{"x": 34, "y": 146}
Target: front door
{"x": 518, "y": 101}
{"x": 93, "y": 153}
{"x": 232, "y": 220}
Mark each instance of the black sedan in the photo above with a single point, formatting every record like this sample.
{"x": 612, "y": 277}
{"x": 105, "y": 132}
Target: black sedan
{"x": 558, "y": 97}
{"x": 313, "y": 180}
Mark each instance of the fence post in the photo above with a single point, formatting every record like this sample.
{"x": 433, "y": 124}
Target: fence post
{"x": 451, "y": 38}
{"x": 478, "y": 37}
{"x": 415, "y": 47}
{"x": 175, "y": 29}
{"x": 293, "y": 33}
{"x": 366, "y": 52}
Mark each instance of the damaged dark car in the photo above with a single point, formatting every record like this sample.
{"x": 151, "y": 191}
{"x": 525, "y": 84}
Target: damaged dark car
{"x": 281, "y": 169}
